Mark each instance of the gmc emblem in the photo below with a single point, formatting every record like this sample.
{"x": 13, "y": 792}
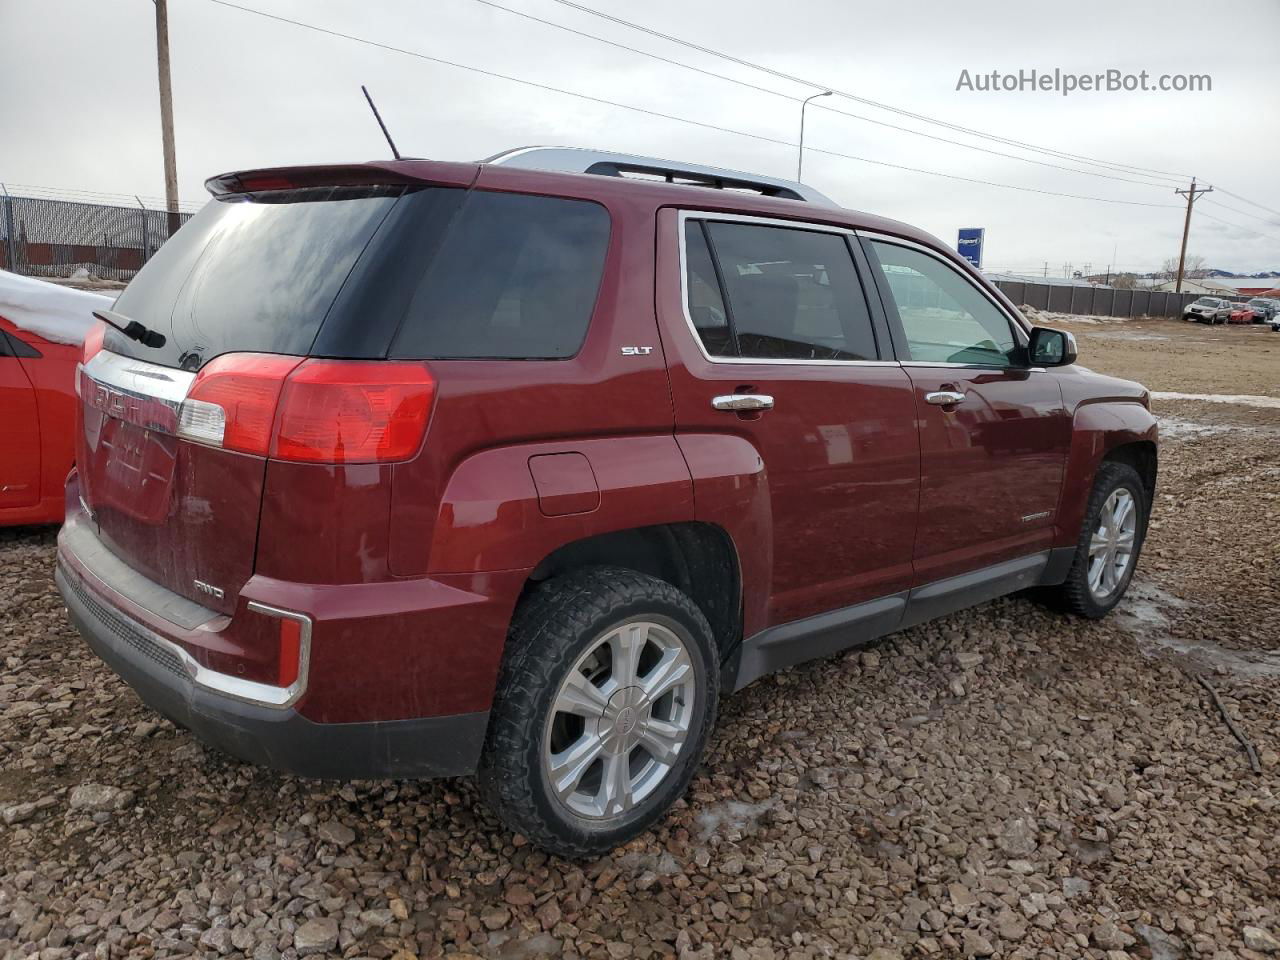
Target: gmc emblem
{"x": 147, "y": 412}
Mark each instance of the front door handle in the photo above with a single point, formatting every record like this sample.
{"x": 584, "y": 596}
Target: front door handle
{"x": 743, "y": 402}
{"x": 944, "y": 398}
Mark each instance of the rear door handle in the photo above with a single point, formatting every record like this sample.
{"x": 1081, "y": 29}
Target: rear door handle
{"x": 944, "y": 398}
{"x": 743, "y": 401}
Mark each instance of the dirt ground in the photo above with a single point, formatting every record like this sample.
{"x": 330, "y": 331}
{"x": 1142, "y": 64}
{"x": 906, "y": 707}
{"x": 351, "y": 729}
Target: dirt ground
{"x": 1004, "y": 782}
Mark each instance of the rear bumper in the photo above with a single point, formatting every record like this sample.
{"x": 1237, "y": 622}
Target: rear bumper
{"x": 281, "y": 738}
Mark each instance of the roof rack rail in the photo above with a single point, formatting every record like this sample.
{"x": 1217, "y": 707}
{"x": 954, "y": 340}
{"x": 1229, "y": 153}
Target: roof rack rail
{"x": 604, "y": 163}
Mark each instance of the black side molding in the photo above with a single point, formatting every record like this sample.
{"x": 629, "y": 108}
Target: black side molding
{"x": 941, "y": 597}
{"x": 788, "y": 644}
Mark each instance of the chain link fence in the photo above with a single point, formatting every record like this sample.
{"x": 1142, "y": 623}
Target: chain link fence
{"x": 42, "y": 237}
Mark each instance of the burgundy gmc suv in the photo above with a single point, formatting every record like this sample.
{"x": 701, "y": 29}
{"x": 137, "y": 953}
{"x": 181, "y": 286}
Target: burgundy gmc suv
{"x": 417, "y": 469}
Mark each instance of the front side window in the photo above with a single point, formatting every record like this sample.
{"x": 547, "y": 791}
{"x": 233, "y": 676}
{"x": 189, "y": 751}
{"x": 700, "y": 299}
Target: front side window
{"x": 945, "y": 318}
{"x": 775, "y": 293}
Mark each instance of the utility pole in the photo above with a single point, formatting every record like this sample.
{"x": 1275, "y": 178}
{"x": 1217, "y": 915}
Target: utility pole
{"x": 1191, "y": 195}
{"x": 166, "y": 114}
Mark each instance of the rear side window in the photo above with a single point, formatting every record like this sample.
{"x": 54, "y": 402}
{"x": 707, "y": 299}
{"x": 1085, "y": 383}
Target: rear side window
{"x": 786, "y": 294}
{"x": 706, "y": 305}
{"x": 516, "y": 277}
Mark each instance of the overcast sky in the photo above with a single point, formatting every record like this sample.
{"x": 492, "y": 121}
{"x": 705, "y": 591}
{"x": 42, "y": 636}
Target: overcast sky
{"x": 79, "y": 107}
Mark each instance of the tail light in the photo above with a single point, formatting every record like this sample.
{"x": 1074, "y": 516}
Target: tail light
{"x": 313, "y": 411}
{"x": 92, "y": 347}
{"x": 233, "y": 401}
{"x": 93, "y": 341}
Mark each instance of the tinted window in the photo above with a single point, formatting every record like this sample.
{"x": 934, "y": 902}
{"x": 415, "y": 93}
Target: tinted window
{"x": 706, "y": 306}
{"x": 792, "y": 294}
{"x": 946, "y": 319}
{"x": 247, "y": 275}
{"x": 514, "y": 277}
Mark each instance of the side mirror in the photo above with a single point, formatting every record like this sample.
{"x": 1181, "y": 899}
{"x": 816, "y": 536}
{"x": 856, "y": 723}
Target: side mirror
{"x": 1051, "y": 348}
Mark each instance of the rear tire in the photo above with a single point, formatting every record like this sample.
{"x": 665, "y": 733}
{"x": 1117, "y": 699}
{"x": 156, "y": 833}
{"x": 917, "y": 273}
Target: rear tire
{"x": 605, "y": 698}
{"x": 1115, "y": 525}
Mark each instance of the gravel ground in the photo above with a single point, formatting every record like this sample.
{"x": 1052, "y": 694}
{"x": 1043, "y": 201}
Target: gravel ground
{"x": 1004, "y": 782}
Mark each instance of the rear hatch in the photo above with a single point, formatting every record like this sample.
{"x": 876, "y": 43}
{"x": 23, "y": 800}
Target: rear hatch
{"x": 178, "y": 428}
{"x": 291, "y": 336}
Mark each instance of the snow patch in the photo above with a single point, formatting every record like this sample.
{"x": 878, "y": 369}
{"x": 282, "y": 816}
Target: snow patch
{"x": 1146, "y": 612}
{"x": 60, "y": 314}
{"x": 1244, "y": 400}
{"x": 734, "y": 814}
{"x": 1175, "y": 428}
{"x": 1124, "y": 335}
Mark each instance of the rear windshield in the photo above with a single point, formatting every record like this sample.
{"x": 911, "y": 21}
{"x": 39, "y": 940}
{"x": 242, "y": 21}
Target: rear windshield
{"x": 250, "y": 275}
{"x": 422, "y": 273}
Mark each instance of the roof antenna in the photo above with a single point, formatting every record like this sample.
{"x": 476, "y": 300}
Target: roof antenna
{"x": 377, "y": 116}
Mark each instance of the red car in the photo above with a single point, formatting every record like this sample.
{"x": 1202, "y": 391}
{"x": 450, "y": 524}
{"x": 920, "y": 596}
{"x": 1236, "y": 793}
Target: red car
{"x": 1241, "y": 313}
{"x": 41, "y": 327}
{"x": 514, "y": 468}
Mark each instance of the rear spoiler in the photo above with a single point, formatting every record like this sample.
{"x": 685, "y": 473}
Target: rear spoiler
{"x": 392, "y": 173}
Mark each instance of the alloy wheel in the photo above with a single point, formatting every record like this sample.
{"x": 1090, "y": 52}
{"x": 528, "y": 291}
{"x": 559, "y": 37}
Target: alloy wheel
{"x": 619, "y": 720}
{"x": 1112, "y": 544}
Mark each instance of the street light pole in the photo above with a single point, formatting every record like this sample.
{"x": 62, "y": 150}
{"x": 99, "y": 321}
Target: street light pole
{"x": 800, "y": 158}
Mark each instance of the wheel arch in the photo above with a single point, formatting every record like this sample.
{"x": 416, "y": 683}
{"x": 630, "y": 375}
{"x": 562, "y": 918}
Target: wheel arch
{"x": 699, "y": 559}
{"x": 1121, "y": 430}
{"x": 1142, "y": 456}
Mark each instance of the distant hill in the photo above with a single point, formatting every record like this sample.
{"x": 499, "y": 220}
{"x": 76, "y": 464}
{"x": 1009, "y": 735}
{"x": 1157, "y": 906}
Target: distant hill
{"x": 1221, "y": 275}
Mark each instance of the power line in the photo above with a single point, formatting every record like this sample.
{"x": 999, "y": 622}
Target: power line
{"x": 792, "y": 99}
{"x": 988, "y": 183}
{"x": 1119, "y": 167}
{"x": 1271, "y": 221}
{"x": 1252, "y": 203}
{"x": 656, "y": 113}
{"x": 496, "y": 75}
{"x": 1240, "y": 227}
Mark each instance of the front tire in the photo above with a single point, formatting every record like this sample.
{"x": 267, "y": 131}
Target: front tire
{"x": 606, "y": 696}
{"x": 1110, "y": 541}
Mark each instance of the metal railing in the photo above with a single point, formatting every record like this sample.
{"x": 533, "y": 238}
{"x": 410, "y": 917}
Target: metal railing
{"x": 43, "y": 237}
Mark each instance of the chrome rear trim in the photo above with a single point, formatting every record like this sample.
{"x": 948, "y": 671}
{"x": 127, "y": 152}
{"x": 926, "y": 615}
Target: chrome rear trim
{"x": 139, "y": 377}
{"x": 175, "y": 659}
{"x": 136, "y": 391}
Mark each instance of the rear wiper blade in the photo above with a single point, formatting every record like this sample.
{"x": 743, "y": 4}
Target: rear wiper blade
{"x": 131, "y": 328}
